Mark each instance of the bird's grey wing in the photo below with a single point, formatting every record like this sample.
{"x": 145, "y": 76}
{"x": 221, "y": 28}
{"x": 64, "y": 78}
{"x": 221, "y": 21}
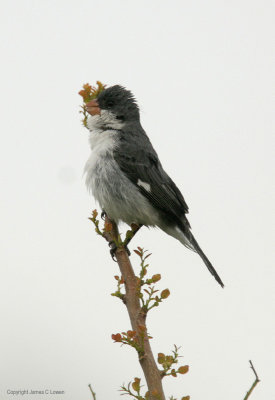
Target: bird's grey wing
{"x": 144, "y": 170}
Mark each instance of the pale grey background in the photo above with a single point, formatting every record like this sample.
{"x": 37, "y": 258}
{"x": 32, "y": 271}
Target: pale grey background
{"x": 202, "y": 73}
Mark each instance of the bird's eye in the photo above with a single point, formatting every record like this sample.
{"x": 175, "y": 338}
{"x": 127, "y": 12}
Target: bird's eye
{"x": 110, "y": 103}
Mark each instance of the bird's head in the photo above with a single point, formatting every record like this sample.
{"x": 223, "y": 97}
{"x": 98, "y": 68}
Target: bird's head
{"x": 114, "y": 106}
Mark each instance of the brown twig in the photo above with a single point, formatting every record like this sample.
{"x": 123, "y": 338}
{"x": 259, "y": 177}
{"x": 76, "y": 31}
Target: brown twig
{"x": 136, "y": 314}
{"x": 254, "y": 383}
{"x": 93, "y": 393}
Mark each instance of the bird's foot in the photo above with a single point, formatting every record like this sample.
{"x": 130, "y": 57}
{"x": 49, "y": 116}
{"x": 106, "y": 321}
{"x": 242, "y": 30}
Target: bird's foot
{"x": 103, "y": 214}
{"x": 113, "y": 250}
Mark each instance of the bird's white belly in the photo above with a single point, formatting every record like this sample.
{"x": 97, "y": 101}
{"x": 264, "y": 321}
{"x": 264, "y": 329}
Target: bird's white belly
{"x": 115, "y": 193}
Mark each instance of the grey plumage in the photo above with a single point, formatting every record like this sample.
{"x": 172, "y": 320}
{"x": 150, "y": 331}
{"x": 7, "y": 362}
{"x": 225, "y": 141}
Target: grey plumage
{"x": 126, "y": 176}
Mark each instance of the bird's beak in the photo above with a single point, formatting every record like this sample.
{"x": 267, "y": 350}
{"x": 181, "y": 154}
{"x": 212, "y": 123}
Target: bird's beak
{"x": 93, "y": 108}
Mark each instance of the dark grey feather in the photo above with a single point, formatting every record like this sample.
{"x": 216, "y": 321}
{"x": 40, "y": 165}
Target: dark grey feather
{"x": 139, "y": 161}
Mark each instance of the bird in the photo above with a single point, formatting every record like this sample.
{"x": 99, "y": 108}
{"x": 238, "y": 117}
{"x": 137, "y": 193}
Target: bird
{"x": 125, "y": 175}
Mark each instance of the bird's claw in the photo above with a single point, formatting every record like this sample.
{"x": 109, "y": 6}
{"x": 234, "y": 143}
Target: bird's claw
{"x": 113, "y": 250}
{"x": 126, "y": 248}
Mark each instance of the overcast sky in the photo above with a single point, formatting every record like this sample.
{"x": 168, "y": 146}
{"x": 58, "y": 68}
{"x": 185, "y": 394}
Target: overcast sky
{"x": 202, "y": 74}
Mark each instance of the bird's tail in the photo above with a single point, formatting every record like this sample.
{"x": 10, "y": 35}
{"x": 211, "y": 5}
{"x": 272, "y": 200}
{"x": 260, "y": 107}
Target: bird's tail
{"x": 188, "y": 240}
{"x": 184, "y": 235}
{"x": 198, "y": 250}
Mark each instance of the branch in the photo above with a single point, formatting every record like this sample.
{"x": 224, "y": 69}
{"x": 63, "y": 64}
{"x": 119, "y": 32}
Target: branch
{"x": 136, "y": 313}
{"x": 254, "y": 383}
{"x": 93, "y": 393}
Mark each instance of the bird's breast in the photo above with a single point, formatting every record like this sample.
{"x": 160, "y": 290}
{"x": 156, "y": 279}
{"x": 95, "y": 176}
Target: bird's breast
{"x": 98, "y": 164}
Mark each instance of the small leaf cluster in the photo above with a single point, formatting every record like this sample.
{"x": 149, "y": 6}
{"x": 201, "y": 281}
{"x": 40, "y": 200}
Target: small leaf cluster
{"x": 133, "y": 389}
{"x": 167, "y": 362}
{"x": 132, "y": 338}
{"x": 89, "y": 93}
{"x": 136, "y": 387}
{"x": 148, "y": 296}
{"x": 95, "y": 221}
{"x": 118, "y": 293}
